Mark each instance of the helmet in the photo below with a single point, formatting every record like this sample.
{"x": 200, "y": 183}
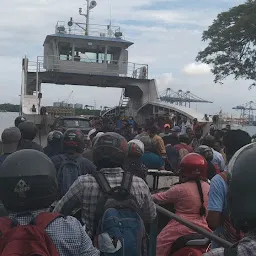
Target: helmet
{"x": 135, "y": 148}
{"x": 110, "y": 150}
{"x": 54, "y": 137}
{"x": 74, "y": 141}
{"x": 206, "y": 152}
{"x": 19, "y": 120}
{"x": 242, "y": 189}
{"x": 193, "y": 166}
{"x": 27, "y": 181}
{"x": 28, "y": 130}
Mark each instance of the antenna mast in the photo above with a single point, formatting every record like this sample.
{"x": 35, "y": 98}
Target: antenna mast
{"x": 90, "y": 5}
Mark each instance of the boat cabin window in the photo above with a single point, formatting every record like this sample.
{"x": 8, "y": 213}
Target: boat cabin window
{"x": 65, "y": 51}
{"x": 92, "y": 55}
{"x": 89, "y": 52}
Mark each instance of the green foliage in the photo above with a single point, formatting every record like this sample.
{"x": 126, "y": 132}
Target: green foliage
{"x": 232, "y": 39}
{"x": 87, "y": 112}
{"x": 9, "y": 107}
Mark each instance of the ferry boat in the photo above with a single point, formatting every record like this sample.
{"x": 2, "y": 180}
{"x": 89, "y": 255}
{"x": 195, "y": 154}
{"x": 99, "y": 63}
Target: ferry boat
{"x": 92, "y": 55}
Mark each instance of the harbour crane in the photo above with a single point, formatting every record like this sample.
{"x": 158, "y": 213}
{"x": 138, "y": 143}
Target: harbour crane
{"x": 247, "y": 111}
{"x": 181, "y": 97}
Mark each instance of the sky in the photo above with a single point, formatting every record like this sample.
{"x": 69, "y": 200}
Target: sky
{"x": 166, "y": 35}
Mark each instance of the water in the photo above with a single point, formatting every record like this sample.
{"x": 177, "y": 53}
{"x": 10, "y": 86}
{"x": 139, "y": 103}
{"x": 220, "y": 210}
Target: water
{"x": 7, "y": 120}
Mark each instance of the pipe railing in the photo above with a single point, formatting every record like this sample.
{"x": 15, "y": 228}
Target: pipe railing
{"x": 194, "y": 227}
{"x": 51, "y": 62}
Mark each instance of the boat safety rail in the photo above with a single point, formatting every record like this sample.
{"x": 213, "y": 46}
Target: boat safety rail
{"x": 79, "y": 28}
{"x": 194, "y": 227}
{"x": 108, "y": 67}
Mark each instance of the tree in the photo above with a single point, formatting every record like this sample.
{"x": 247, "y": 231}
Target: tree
{"x": 232, "y": 39}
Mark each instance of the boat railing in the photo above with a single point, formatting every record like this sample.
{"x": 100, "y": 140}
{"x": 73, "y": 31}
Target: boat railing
{"x": 79, "y": 28}
{"x": 193, "y": 227}
{"x": 53, "y": 63}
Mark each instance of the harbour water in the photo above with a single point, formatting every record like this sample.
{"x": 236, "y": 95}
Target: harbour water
{"x": 7, "y": 120}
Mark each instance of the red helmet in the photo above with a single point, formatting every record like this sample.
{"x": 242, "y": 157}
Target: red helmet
{"x": 193, "y": 166}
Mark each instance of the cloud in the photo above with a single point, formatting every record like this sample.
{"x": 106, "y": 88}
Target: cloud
{"x": 167, "y": 36}
{"x": 196, "y": 69}
{"x": 164, "y": 81}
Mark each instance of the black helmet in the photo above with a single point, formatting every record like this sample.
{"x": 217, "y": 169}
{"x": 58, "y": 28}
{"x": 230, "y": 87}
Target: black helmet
{"x": 206, "y": 152}
{"x": 110, "y": 150}
{"x": 19, "y": 120}
{"x": 242, "y": 189}
{"x": 73, "y": 141}
{"x": 55, "y": 137}
{"x": 27, "y": 181}
{"x": 28, "y": 130}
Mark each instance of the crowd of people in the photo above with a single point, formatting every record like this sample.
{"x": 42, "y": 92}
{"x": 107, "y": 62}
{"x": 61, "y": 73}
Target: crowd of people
{"x": 104, "y": 175}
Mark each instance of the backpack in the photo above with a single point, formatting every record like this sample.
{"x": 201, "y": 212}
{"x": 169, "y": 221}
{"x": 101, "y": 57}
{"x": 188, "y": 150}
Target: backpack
{"x": 119, "y": 229}
{"x": 183, "y": 152}
{"x": 230, "y": 251}
{"x": 27, "y": 240}
{"x": 68, "y": 173}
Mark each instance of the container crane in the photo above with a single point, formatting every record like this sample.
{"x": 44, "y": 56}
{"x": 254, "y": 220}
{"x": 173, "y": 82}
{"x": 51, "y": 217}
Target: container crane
{"x": 247, "y": 111}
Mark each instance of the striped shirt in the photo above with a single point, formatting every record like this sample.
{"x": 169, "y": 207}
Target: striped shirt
{"x": 67, "y": 234}
{"x": 86, "y": 192}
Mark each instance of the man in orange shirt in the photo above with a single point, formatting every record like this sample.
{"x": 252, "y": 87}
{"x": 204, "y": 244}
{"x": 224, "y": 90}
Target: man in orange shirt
{"x": 160, "y": 147}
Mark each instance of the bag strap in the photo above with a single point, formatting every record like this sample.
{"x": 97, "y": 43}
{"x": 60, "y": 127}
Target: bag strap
{"x": 102, "y": 181}
{"x": 44, "y": 219}
{"x": 127, "y": 181}
{"x": 224, "y": 176}
{"x": 230, "y": 251}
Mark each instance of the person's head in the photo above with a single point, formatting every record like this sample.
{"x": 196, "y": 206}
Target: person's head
{"x": 135, "y": 148}
{"x": 234, "y": 140}
{"x": 140, "y": 130}
{"x": 176, "y": 131}
{"x": 217, "y": 145}
{"x": 218, "y": 135}
{"x": 189, "y": 131}
{"x": 184, "y": 139}
{"x": 212, "y": 130}
{"x": 167, "y": 128}
{"x": 109, "y": 150}
{"x": 242, "y": 189}
{"x": 125, "y": 124}
{"x": 28, "y": 130}
{"x": 73, "y": 141}
{"x": 152, "y": 131}
{"x": 55, "y": 138}
{"x": 228, "y": 127}
{"x": 193, "y": 167}
{"x": 198, "y": 132}
{"x": 148, "y": 143}
{"x": 19, "y": 120}
{"x": 209, "y": 141}
{"x": 10, "y": 139}
{"x": 195, "y": 121}
{"x": 98, "y": 124}
{"x": 206, "y": 152}
{"x": 27, "y": 181}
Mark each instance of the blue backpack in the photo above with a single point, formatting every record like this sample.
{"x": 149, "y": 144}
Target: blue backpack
{"x": 68, "y": 172}
{"x": 119, "y": 229}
